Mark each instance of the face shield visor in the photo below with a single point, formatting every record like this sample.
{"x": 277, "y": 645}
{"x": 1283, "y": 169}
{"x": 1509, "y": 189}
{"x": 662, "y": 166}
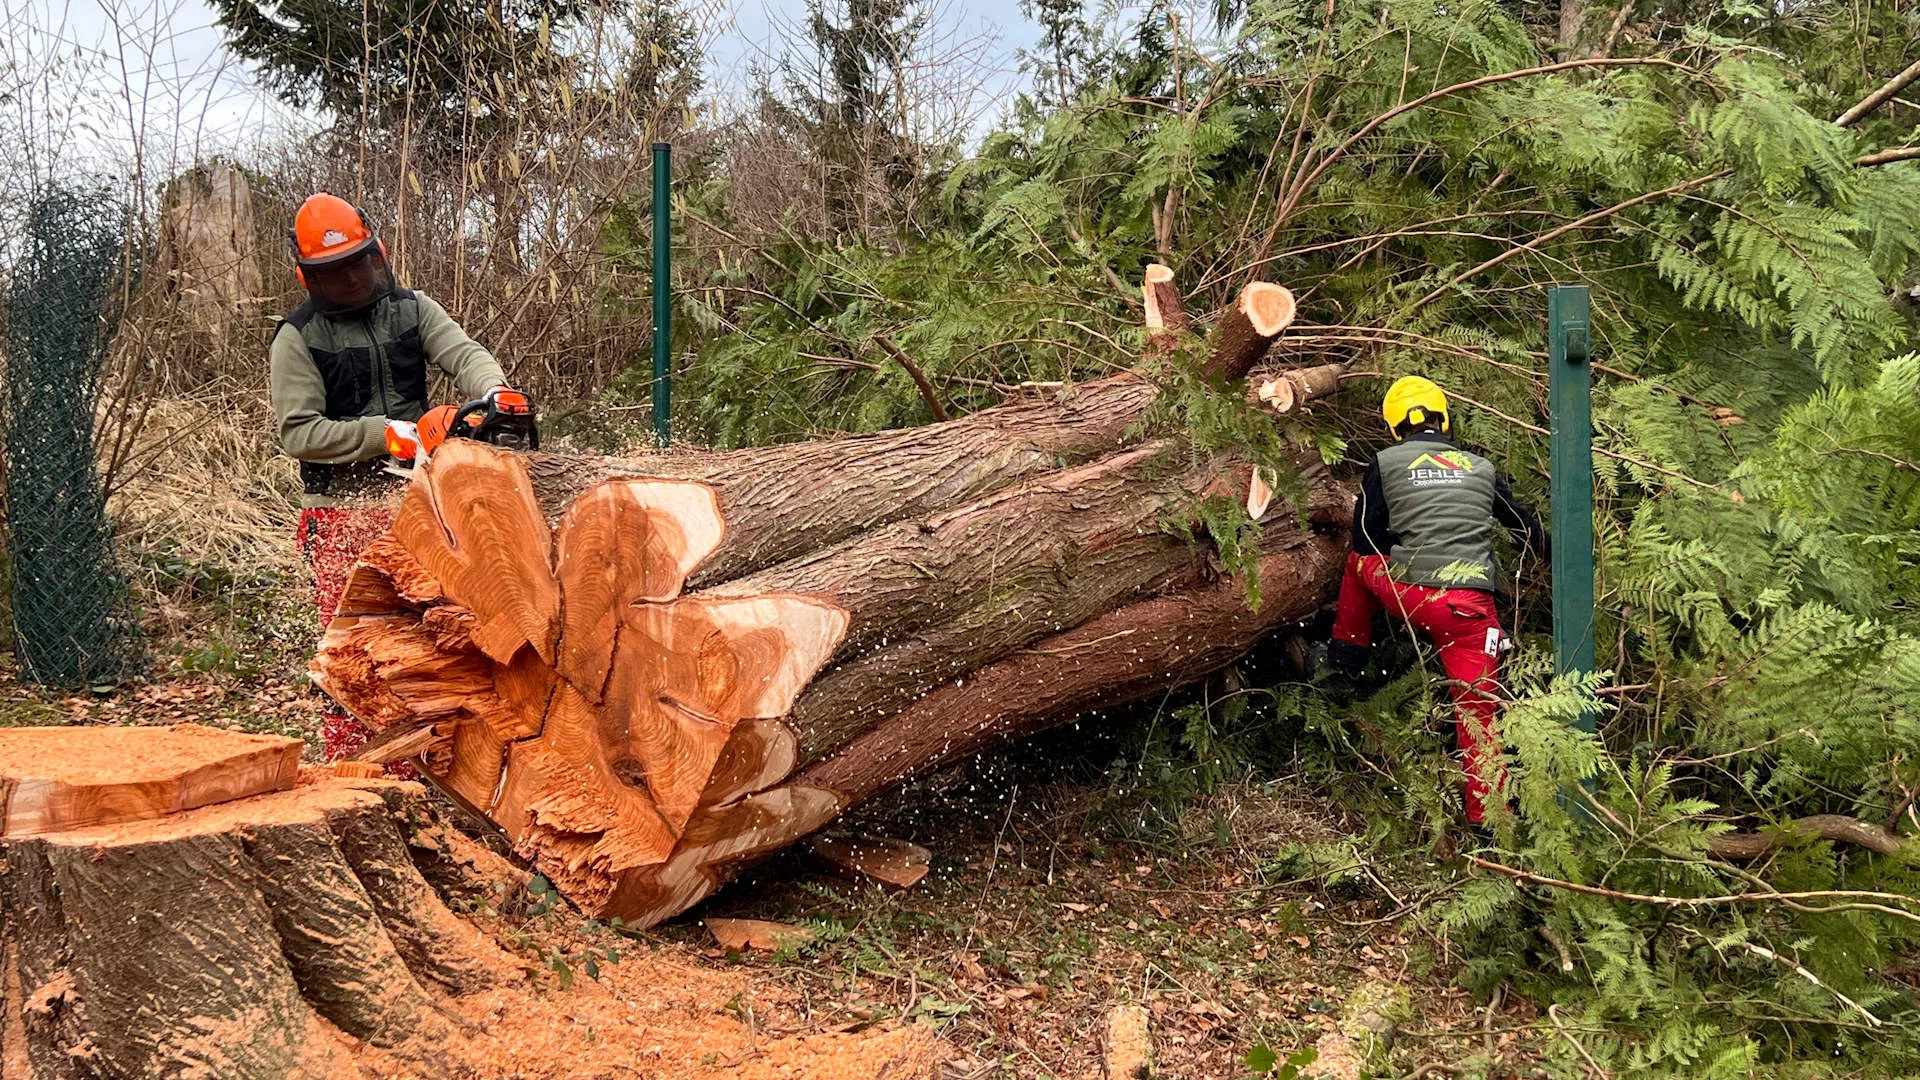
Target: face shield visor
{"x": 350, "y": 283}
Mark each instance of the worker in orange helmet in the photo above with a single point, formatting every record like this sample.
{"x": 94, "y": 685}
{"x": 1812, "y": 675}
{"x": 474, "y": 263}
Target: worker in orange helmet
{"x": 1423, "y": 551}
{"x": 347, "y": 365}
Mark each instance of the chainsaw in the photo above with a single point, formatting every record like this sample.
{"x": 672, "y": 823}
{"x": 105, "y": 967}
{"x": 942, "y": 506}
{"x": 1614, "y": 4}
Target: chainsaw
{"x": 504, "y": 419}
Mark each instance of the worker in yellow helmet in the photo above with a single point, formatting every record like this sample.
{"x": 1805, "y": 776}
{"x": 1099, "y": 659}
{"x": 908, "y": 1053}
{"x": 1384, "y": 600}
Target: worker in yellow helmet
{"x": 1423, "y": 551}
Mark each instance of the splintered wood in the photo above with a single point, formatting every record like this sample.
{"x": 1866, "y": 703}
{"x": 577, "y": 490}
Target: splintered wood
{"x": 558, "y": 682}
{"x": 53, "y": 779}
{"x": 894, "y": 863}
{"x": 649, "y": 670}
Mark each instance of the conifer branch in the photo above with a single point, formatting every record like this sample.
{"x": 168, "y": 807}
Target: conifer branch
{"x": 919, "y": 377}
{"x": 1887, "y": 157}
{"x": 1601, "y": 450}
{"x": 1854, "y": 900}
{"x": 1578, "y": 223}
{"x": 1299, "y": 187}
{"x": 1833, "y": 827}
{"x": 1898, "y": 463}
{"x": 1801, "y": 970}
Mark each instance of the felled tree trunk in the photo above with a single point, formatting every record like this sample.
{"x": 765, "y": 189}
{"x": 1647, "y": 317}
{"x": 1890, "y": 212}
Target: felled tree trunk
{"x": 236, "y": 940}
{"x": 1116, "y": 658}
{"x": 647, "y": 670}
{"x": 784, "y": 501}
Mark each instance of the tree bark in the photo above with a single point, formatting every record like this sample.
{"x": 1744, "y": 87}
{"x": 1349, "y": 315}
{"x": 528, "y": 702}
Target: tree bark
{"x": 1284, "y": 391}
{"x": 781, "y": 502}
{"x": 945, "y": 597}
{"x": 1836, "y": 828}
{"x": 1122, "y": 656}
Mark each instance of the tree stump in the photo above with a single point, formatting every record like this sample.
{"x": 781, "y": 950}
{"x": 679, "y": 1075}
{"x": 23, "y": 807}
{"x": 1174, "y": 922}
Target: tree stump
{"x": 60, "y": 778}
{"x": 238, "y": 940}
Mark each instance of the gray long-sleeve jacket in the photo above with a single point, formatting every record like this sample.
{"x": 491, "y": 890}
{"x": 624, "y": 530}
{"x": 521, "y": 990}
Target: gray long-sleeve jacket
{"x": 335, "y": 382}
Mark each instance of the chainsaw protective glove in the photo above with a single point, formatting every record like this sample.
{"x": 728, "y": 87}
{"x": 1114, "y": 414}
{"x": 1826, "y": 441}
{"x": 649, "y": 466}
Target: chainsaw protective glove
{"x": 513, "y": 401}
{"x": 403, "y": 439}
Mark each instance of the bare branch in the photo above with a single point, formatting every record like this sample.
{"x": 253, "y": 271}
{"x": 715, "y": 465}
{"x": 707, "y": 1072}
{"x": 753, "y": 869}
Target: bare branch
{"x": 1879, "y": 97}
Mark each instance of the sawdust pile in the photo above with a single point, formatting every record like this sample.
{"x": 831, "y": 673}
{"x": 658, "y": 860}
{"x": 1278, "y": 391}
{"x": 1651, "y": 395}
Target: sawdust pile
{"x": 658, "y": 1010}
{"x": 655, "y": 1014}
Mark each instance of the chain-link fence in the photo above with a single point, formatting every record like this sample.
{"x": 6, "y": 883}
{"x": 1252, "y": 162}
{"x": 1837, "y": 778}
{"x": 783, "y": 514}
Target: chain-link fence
{"x": 72, "y": 613}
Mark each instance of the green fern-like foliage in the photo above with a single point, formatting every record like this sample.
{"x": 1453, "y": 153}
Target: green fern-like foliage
{"x": 1757, "y": 420}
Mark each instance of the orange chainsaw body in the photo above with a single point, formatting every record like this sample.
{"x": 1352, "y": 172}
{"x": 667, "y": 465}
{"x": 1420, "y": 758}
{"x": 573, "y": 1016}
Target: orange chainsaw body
{"x": 435, "y": 427}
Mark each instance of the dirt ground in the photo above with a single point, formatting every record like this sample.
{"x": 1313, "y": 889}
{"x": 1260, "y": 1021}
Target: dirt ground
{"x": 1043, "y": 912}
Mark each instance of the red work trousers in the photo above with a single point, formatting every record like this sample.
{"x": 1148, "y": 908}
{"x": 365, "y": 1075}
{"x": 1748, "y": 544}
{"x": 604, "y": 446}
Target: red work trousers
{"x": 331, "y": 539}
{"x": 1465, "y": 626}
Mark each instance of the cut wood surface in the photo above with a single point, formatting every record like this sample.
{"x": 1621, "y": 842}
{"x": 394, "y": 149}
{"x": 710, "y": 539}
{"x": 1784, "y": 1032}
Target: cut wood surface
{"x": 1126, "y": 1046}
{"x": 589, "y": 702}
{"x": 894, "y": 863}
{"x": 526, "y": 630}
{"x": 1246, "y": 329}
{"x": 59, "y": 778}
{"x": 739, "y": 935}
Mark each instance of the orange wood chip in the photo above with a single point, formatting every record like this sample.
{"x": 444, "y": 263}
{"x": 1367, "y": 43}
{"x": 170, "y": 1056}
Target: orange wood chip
{"x": 740, "y": 935}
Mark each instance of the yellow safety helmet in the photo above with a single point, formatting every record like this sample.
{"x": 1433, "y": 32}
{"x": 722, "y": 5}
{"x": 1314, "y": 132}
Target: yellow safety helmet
{"x": 1414, "y": 400}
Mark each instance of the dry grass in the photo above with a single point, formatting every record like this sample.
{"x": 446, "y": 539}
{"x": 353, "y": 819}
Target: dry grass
{"x": 208, "y": 487}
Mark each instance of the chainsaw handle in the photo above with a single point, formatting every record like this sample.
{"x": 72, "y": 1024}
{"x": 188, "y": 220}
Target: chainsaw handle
{"x": 477, "y": 405}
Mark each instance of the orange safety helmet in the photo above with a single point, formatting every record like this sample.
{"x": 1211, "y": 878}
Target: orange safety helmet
{"x": 327, "y": 229}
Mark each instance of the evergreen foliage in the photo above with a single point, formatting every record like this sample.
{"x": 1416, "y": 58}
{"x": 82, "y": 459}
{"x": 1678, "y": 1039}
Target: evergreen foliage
{"x": 452, "y": 71}
{"x": 1757, "y": 421}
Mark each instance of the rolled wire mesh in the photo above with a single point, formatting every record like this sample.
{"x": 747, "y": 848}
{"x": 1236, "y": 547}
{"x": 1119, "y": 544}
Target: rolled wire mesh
{"x": 73, "y": 618}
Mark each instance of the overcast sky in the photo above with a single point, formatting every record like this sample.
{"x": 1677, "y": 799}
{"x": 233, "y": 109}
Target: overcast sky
{"x": 103, "y": 69}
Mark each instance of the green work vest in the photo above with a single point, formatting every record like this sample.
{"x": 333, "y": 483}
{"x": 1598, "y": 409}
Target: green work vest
{"x": 373, "y": 363}
{"x": 1440, "y": 511}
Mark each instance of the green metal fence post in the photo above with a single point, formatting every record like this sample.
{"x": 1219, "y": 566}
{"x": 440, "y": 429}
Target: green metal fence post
{"x": 1570, "y": 399}
{"x": 662, "y": 293}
